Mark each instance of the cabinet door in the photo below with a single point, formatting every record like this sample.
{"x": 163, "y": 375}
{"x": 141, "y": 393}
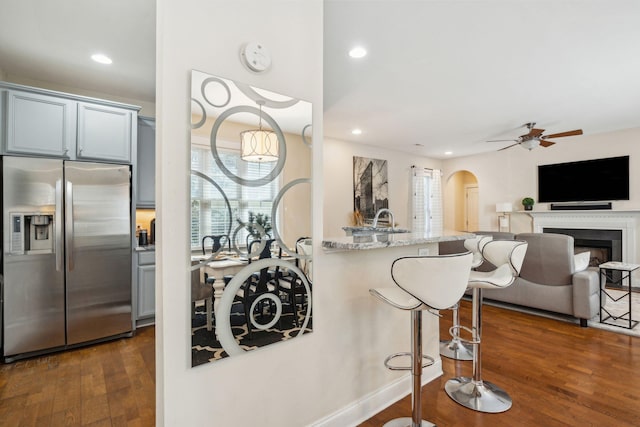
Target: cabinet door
{"x": 40, "y": 124}
{"x": 146, "y": 163}
{"x": 104, "y": 133}
{"x": 146, "y": 291}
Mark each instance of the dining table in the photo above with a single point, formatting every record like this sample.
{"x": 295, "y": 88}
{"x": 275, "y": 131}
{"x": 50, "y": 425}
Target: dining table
{"x": 218, "y": 267}
{"x": 224, "y": 264}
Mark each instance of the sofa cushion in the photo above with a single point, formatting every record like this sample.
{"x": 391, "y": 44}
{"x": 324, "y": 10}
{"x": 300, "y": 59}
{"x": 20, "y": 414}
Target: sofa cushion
{"x": 549, "y": 258}
{"x": 581, "y": 261}
{"x": 558, "y": 299}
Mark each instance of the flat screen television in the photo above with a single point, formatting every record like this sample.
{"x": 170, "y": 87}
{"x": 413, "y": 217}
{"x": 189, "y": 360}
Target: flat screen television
{"x": 584, "y": 181}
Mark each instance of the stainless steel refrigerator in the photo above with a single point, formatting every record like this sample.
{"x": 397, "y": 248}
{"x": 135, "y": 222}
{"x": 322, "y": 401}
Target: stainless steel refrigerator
{"x": 66, "y": 254}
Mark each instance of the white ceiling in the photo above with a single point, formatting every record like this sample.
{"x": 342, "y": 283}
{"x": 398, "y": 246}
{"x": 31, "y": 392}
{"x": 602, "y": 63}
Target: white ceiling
{"x": 52, "y": 40}
{"x": 445, "y": 74}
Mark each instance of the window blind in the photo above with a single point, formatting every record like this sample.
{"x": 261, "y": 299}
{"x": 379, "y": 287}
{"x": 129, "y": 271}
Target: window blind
{"x": 209, "y": 213}
{"x": 427, "y": 200}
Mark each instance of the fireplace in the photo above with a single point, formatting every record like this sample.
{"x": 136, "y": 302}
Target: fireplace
{"x": 626, "y": 222}
{"x": 603, "y": 245}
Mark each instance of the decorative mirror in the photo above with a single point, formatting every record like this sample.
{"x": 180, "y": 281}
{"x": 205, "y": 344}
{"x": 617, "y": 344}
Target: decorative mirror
{"x": 251, "y": 257}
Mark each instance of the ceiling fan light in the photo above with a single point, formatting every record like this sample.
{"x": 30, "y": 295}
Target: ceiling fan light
{"x": 530, "y": 144}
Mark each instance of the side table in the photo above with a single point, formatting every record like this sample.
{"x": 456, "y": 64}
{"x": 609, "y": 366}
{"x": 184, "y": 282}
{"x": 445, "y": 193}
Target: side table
{"x": 605, "y": 275}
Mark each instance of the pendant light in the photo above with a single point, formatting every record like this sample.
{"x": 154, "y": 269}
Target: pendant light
{"x": 259, "y": 145}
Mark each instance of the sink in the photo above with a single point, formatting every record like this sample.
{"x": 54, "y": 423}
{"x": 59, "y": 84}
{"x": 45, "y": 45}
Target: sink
{"x": 368, "y": 230}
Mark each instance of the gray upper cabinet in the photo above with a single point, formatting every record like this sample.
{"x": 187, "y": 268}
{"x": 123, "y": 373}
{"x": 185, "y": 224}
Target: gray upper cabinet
{"x": 39, "y": 124}
{"x": 42, "y": 122}
{"x": 104, "y": 132}
{"x": 146, "y": 163}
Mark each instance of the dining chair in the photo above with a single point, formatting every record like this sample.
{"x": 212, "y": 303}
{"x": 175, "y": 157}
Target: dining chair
{"x": 290, "y": 284}
{"x": 216, "y": 244}
{"x": 201, "y": 291}
{"x": 256, "y": 289}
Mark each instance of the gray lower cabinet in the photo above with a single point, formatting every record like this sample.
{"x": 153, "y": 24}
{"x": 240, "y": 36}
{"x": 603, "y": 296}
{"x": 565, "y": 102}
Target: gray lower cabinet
{"x": 146, "y": 285}
{"x": 104, "y": 132}
{"x": 146, "y": 163}
{"x": 39, "y": 124}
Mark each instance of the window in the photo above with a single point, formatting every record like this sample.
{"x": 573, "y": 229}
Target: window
{"x": 209, "y": 213}
{"x": 427, "y": 200}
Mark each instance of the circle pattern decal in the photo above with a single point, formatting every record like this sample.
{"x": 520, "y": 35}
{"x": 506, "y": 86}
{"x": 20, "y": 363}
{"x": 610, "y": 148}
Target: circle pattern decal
{"x": 223, "y": 324}
{"x": 274, "y": 210}
{"x": 282, "y": 149}
{"x": 224, "y": 86}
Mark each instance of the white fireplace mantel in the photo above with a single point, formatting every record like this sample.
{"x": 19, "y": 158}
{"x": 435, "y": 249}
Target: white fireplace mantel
{"x": 627, "y": 221}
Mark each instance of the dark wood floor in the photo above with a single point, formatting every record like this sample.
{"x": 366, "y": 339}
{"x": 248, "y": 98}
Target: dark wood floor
{"x": 557, "y": 374}
{"x": 110, "y": 384}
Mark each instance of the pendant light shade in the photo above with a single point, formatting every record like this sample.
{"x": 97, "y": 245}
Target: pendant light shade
{"x": 259, "y": 145}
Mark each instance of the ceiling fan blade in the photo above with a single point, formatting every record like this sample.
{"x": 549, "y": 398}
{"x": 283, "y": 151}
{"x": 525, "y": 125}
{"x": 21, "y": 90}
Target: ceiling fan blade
{"x": 536, "y": 132}
{"x": 503, "y": 140}
{"x": 544, "y": 143}
{"x": 569, "y": 133}
{"x": 509, "y": 146}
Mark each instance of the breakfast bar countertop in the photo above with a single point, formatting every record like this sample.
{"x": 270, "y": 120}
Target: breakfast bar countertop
{"x": 385, "y": 240}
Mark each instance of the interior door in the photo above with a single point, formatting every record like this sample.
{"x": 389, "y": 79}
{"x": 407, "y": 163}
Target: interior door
{"x": 98, "y": 230}
{"x": 471, "y": 208}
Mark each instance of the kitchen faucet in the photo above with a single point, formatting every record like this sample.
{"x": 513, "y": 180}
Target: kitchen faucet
{"x": 381, "y": 211}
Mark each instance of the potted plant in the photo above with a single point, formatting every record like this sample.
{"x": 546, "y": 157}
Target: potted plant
{"x": 527, "y": 202}
{"x": 262, "y": 220}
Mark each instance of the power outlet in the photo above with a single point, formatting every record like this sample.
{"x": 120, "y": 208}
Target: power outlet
{"x": 423, "y": 251}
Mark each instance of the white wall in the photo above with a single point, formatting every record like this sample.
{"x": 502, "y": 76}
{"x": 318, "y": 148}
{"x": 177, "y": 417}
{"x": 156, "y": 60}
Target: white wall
{"x": 338, "y": 182}
{"x": 510, "y": 175}
{"x": 282, "y": 384}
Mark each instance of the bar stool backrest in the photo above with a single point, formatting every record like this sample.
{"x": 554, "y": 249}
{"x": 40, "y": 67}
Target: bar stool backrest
{"x": 475, "y": 246}
{"x": 437, "y": 281}
{"x": 511, "y": 252}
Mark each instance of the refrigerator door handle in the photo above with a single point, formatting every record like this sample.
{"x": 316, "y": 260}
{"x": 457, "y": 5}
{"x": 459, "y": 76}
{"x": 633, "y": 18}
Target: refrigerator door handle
{"x": 59, "y": 242}
{"x": 69, "y": 225}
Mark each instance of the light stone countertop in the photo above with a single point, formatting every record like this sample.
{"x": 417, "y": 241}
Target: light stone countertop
{"x": 386, "y": 240}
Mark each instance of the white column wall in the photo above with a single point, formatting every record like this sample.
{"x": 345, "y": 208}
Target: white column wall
{"x": 283, "y": 384}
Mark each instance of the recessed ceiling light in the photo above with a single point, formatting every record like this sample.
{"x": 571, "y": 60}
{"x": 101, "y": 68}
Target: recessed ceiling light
{"x": 357, "y": 131}
{"x": 101, "y": 58}
{"x": 448, "y": 153}
{"x": 358, "y": 52}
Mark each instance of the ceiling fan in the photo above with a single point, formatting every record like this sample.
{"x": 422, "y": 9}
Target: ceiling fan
{"x": 535, "y": 137}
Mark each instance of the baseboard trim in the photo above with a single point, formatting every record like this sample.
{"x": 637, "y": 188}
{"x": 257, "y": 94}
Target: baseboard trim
{"x": 374, "y": 402}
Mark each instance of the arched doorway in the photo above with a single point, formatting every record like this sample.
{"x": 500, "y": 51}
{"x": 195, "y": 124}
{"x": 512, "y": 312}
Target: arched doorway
{"x": 461, "y": 202}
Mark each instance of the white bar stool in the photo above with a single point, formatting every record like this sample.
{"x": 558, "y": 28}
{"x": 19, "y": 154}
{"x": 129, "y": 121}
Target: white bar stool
{"x": 424, "y": 282}
{"x": 474, "y": 393}
{"x": 455, "y": 348}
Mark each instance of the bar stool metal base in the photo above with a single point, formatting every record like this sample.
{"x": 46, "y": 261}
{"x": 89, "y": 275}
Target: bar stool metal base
{"x": 406, "y": 422}
{"x": 456, "y": 349}
{"x": 481, "y": 396}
